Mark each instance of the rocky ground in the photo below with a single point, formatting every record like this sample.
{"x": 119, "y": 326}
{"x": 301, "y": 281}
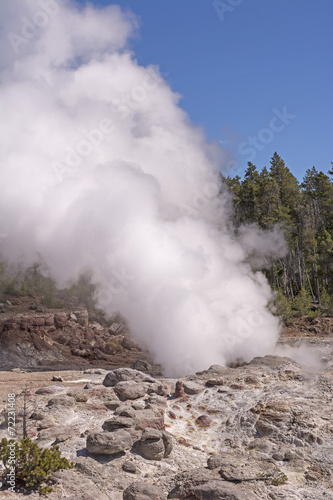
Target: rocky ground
{"x": 260, "y": 430}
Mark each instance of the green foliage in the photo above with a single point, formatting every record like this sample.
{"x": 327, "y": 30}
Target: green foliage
{"x": 83, "y": 289}
{"x": 22, "y": 282}
{"x": 281, "y": 306}
{"x": 304, "y": 212}
{"x": 33, "y": 465}
{"x": 280, "y": 478}
{"x": 302, "y": 303}
{"x": 326, "y": 303}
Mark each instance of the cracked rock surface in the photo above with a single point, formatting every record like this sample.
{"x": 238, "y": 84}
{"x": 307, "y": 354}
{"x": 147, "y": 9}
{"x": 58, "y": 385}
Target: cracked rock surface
{"x": 261, "y": 430}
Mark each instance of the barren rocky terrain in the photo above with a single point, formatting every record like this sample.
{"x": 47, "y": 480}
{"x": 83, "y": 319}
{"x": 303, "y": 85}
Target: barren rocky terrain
{"x": 258, "y": 430}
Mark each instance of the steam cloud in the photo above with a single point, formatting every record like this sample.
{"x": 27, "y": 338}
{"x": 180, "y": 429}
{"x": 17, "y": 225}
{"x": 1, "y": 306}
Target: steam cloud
{"x": 102, "y": 170}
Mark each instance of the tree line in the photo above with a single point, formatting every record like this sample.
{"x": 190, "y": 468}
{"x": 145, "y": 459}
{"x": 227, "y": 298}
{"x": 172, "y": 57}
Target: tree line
{"x": 304, "y": 212}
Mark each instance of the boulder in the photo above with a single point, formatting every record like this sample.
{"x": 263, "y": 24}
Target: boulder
{"x": 142, "y": 365}
{"x": 238, "y": 469}
{"x": 118, "y": 423}
{"x": 129, "y": 390}
{"x": 151, "y": 445}
{"x": 128, "y": 344}
{"x": 143, "y": 491}
{"x": 168, "y": 443}
{"x": 186, "y": 481}
{"x": 109, "y": 443}
{"x": 60, "y": 319}
{"x": 155, "y": 444}
{"x": 222, "y": 490}
{"x": 125, "y": 374}
{"x": 148, "y": 418}
{"x": 192, "y": 387}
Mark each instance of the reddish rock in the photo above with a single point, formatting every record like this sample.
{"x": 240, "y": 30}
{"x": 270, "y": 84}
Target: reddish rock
{"x": 179, "y": 390}
{"x": 60, "y": 319}
{"x": 203, "y": 421}
{"x": 212, "y": 382}
{"x": 49, "y": 320}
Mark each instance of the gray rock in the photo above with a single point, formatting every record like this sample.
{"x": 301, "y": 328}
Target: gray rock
{"x": 217, "y": 461}
{"x": 113, "y": 404}
{"x": 109, "y": 443}
{"x": 155, "y": 444}
{"x": 129, "y": 466}
{"x": 142, "y": 365}
{"x": 129, "y": 390}
{"x": 186, "y": 481}
{"x": 151, "y": 445}
{"x": 125, "y": 374}
{"x": 156, "y": 401}
{"x": 192, "y": 387}
{"x": 168, "y": 443}
{"x": 237, "y": 469}
{"x": 222, "y": 490}
{"x": 118, "y": 423}
{"x": 143, "y": 491}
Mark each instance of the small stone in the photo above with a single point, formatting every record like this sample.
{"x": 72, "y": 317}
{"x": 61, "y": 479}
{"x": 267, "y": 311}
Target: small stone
{"x": 215, "y": 462}
{"x": 252, "y": 380}
{"x": 57, "y": 378}
{"x": 203, "y": 421}
{"x": 278, "y": 455}
{"x": 112, "y": 405}
{"x": 212, "y": 382}
{"x": 129, "y": 466}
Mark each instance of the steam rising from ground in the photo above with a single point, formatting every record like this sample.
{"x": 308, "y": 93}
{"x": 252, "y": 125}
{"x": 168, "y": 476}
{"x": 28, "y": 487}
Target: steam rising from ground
{"x": 102, "y": 170}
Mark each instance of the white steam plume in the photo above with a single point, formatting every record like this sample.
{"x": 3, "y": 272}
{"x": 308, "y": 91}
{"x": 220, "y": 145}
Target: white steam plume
{"x": 102, "y": 170}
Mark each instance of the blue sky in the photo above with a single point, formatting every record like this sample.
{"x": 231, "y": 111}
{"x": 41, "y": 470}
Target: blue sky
{"x": 240, "y": 65}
